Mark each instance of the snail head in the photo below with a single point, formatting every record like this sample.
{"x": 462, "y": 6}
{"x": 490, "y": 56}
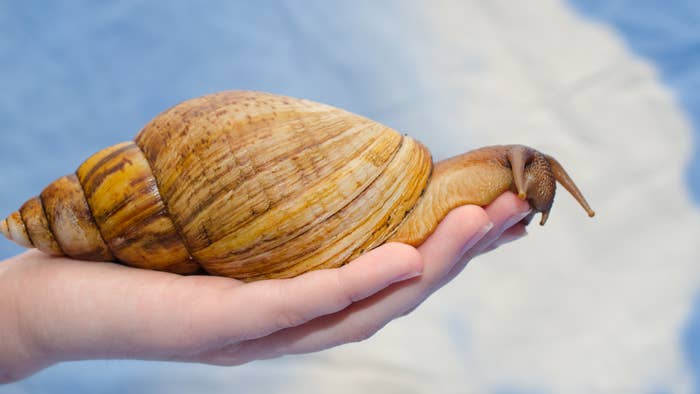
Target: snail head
{"x": 534, "y": 177}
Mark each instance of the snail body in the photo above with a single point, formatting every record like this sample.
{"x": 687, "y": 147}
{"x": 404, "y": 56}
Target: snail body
{"x": 252, "y": 186}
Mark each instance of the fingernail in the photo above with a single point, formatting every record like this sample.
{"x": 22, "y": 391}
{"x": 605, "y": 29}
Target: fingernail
{"x": 407, "y": 276}
{"x": 476, "y": 238}
{"x": 515, "y": 219}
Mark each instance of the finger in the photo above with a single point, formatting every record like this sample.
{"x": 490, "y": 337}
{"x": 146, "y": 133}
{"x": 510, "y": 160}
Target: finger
{"x": 161, "y": 315}
{"x": 518, "y": 231}
{"x": 287, "y": 303}
{"x": 512, "y": 234}
{"x": 505, "y": 212}
{"x": 461, "y": 228}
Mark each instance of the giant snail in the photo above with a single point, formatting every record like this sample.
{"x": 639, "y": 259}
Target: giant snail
{"x": 252, "y": 185}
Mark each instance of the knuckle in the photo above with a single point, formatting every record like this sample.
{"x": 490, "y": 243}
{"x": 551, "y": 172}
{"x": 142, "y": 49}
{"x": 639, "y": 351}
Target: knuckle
{"x": 408, "y": 311}
{"x": 230, "y": 361}
{"x": 407, "y": 252}
{"x": 9, "y": 376}
{"x": 401, "y": 248}
{"x": 476, "y": 213}
{"x": 226, "y": 360}
{"x": 228, "y": 355}
{"x": 342, "y": 296}
{"x": 363, "y": 333}
{"x": 480, "y": 215}
{"x": 476, "y": 216}
{"x": 290, "y": 318}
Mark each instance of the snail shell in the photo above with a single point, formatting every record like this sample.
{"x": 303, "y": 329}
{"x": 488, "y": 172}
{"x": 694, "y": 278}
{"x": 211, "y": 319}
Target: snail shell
{"x": 251, "y": 185}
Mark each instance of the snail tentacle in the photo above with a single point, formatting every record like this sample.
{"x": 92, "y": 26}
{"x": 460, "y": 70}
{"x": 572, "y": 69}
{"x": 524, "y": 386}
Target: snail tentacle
{"x": 565, "y": 180}
{"x": 518, "y": 157}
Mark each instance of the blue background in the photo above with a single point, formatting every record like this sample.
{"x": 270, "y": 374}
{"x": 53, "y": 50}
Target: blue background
{"x": 668, "y": 34}
{"x": 95, "y": 72}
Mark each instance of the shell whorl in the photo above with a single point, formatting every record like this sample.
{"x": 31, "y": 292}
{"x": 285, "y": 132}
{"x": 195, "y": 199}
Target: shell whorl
{"x": 126, "y": 205}
{"x": 265, "y": 186}
{"x": 110, "y": 209}
{"x": 58, "y": 222}
{"x": 242, "y": 184}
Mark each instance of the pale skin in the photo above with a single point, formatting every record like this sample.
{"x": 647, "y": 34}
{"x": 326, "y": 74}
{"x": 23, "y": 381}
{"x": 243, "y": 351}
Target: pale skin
{"x": 57, "y": 309}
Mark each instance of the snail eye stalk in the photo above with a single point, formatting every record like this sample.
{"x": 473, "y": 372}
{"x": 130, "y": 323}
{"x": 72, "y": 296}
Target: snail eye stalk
{"x": 565, "y": 180}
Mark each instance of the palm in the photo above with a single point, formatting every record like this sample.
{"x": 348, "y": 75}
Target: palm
{"x": 77, "y": 309}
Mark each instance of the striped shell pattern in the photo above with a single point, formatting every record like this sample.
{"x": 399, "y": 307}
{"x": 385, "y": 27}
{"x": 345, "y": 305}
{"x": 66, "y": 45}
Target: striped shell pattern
{"x": 240, "y": 184}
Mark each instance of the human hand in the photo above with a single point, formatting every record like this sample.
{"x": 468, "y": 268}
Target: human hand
{"x": 58, "y": 309}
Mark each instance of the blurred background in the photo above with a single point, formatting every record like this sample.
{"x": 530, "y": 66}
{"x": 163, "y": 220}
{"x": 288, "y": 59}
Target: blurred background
{"x": 611, "y": 88}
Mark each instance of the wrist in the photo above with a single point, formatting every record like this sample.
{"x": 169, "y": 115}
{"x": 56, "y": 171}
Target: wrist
{"x": 20, "y": 356}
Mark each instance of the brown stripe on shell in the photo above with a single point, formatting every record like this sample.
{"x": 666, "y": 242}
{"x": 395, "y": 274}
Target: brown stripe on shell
{"x": 26, "y": 229}
{"x": 98, "y": 160}
{"x": 71, "y": 222}
{"x": 296, "y": 193}
{"x": 126, "y": 204}
{"x": 361, "y": 225}
{"x": 318, "y": 195}
{"x": 37, "y": 224}
{"x": 283, "y": 250}
{"x": 270, "y": 177}
{"x": 374, "y": 216}
{"x": 399, "y": 188}
{"x": 238, "y": 153}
